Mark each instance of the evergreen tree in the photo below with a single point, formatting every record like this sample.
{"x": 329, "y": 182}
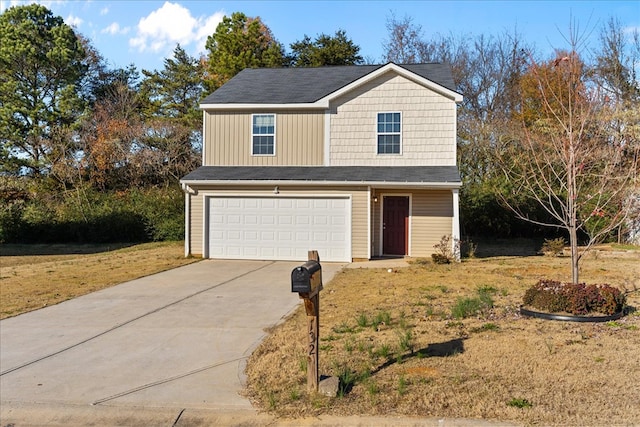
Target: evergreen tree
{"x": 173, "y": 121}
{"x": 175, "y": 91}
{"x": 41, "y": 71}
{"x": 325, "y": 50}
{"x": 240, "y": 42}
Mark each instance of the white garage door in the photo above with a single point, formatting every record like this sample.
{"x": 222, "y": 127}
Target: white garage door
{"x": 279, "y": 228}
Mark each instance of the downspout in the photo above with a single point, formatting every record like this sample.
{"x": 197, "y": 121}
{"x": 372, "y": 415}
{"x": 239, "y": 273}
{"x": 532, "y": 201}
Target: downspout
{"x": 188, "y": 191}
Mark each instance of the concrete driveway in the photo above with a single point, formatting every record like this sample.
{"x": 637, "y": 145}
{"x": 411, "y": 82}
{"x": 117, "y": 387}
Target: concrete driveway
{"x": 154, "y": 349}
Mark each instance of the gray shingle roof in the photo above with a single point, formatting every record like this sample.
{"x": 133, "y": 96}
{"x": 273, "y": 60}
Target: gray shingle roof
{"x": 334, "y": 174}
{"x": 307, "y": 85}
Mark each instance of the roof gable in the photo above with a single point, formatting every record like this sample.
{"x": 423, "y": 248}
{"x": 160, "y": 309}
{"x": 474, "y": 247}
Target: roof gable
{"x": 314, "y": 87}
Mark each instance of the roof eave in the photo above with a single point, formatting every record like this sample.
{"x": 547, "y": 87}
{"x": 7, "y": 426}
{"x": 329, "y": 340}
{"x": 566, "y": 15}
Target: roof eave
{"x": 376, "y": 184}
{"x": 318, "y": 105}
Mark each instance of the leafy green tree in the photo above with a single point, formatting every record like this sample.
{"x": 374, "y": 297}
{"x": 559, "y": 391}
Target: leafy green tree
{"x": 41, "y": 70}
{"x": 240, "y": 42}
{"x": 325, "y": 50}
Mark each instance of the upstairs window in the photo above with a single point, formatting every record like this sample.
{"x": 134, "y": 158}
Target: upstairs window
{"x": 389, "y": 131}
{"x": 263, "y": 135}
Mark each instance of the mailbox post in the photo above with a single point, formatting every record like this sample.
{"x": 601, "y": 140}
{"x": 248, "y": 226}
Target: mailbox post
{"x": 306, "y": 280}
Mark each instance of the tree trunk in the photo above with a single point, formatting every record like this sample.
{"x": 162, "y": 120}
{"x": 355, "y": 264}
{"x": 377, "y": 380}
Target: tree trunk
{"x": 573, "y": 241}
{"x": 571, "y": 204}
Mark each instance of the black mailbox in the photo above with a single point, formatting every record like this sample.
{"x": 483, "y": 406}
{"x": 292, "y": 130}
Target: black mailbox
{"x": 307, "y": 279}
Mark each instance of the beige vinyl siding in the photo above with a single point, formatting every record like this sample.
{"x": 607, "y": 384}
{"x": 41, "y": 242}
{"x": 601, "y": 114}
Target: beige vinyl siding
{"x": 431, "y": 218}
{"x": 299, "y": 139}
{"x": 428, "y": 124}
{"x": 359, "y": 210}
{"x": 195, "y": 224}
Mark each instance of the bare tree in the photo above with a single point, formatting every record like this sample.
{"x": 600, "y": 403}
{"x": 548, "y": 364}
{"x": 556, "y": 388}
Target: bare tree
{"x": 404, "y": 41}
{"x": 618, "y": 63}
{"x": 565, "y": 159}
{"x": 616, "y": 72}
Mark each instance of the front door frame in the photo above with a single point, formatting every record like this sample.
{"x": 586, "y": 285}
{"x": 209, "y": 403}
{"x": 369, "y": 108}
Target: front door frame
{"x": 381, "y": 225}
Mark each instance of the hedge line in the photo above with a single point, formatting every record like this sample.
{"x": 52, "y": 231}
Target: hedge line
{"x": 89, "y": 216}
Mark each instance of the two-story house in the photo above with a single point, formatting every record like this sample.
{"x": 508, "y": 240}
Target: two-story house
{"x": 356, "y": 162}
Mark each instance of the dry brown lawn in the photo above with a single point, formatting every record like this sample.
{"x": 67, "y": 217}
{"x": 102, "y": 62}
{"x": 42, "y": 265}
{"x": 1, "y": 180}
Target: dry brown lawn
{"x": 394, "y": 341}
{"x": 34, "y": 276}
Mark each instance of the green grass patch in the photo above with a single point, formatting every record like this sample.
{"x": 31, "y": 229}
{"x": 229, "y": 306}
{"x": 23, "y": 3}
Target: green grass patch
{"x": 486, "y": 327}
{"x": 519, "y": 403}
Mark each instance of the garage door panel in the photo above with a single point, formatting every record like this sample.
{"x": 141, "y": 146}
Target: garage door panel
{"x": 250, "y": 204}
{"x": 285, "y": 220}
{"x": 247, "y": 235}
{"x": 285, "y": 236}
{"x": 286, "y": 204}
{"x": 267, "y": 220}
{"x": 320, "y": 220}
{"x": 304, "y": 203}
{"x": 267, "y": 203}
{"x": 302, "y": 236}
{"x": 338, "y": 220}
{"x": 267, "y": 238}
{"x": 303, "y": 220}
{"x": 266, "y": 253}
{"x": 280, "y": 228}
{"x": 251, "y": 220}
{"x": 242, "y": 252}
{"x": 321, "y": 204}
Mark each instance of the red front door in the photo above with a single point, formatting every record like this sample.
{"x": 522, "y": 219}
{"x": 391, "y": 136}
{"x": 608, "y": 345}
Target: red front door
{"x": 395, "y": 225}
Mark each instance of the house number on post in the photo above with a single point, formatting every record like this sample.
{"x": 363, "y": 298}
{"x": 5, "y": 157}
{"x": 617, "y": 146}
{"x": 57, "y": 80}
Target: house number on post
{"x": 306, "y": 280}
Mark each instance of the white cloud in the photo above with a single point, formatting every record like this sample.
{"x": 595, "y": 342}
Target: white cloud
{"x": 7, "y": 4}
{"x": 114, "y": 29}
{"x": 173, "y": 23}
{"x": 104, "y": 11}
{"x": 49, "y": 4}
{"x": 74, "y": 21}
{"x": 207, "y": 27}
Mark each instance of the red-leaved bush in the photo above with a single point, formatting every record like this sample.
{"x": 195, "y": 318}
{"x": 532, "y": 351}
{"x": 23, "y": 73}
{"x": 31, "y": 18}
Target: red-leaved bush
{"x": 575, "y": 298}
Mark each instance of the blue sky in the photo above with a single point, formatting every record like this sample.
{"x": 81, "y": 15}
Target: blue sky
{"x": 143, "y": 33}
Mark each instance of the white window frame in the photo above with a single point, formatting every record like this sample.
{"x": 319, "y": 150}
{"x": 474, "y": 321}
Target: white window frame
{"x": 273, "y": 135}
{"x": 378, "y": 134}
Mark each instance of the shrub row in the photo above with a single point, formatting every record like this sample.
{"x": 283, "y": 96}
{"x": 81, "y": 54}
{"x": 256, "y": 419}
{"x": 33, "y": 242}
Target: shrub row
{"x": 90, "y": 216}
{"x": 575, "y": 298}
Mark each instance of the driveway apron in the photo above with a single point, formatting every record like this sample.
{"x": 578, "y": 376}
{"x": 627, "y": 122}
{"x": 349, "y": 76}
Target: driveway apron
{"x": 174, "y": 339}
